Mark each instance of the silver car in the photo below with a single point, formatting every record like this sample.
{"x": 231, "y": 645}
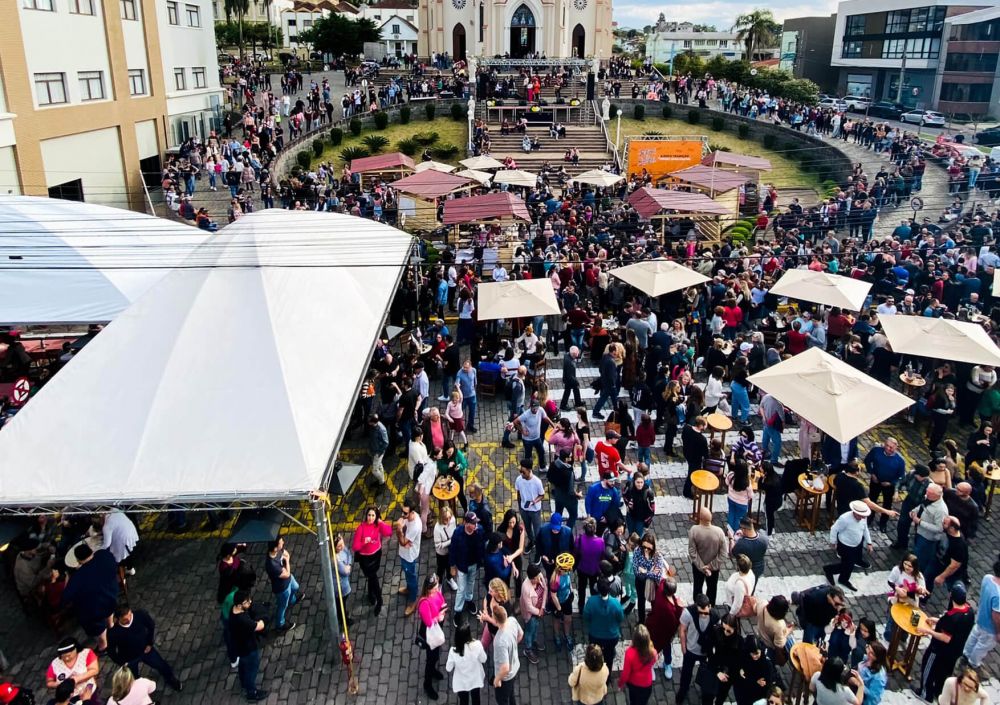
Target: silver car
{"x": 923, "y": 117}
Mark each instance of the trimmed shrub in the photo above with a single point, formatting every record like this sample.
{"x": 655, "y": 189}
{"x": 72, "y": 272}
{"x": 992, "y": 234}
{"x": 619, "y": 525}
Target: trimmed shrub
{"x": 639, "y": 112}
{"x": 356, "y": 151}
{"x": 694, "y": 117}
{"x": 303, "y": 159}
{"x": 404, "y": 115}
{"x": 318, "y": 148}
{"x": 668, "y": 112}
{"x": 613, "y": 111}
{"x": 336, "y": 136}
{"x": 425, "y": 138}
{"x": 445, "y": 151}
{"x": 381, "y": 120}
{"x": 652, "y": 133}
{"x": 355, "y": 126}
{"x": 743, "y": 131}
{"x": 429, "y": 110}
{"x": 408, "y": 146}
{"x": 375, "y": 143}
{"x": 718, "y": 124}
{"x": 769, "y": 140}
{"x": 457, "y": 114}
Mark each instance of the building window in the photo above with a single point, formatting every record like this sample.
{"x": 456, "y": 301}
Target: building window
{"x": 91, "y": 85}
{"x": 376, "y": 17}
{"x": 981, "y": 63}
{"x": 409, "y": 18}
{"x": 966, "y": 92}
{"x": 193, "y": 15}
{"x": 198, "y": 76}
{"x": 50, "y": 88}
{"x": 306, "y": 24}
{"x": 172, "y": 17}
{"x": 81, "y": 7}
{"x": 897, "y": 21}
{"x": 852, "y": 50}
{"x": 136, "y": 82}
{"x": 724, "y": 43}
{"x": 925, "y": 48}
{"x": 855, "y": 25}
{"x": 180, "y": 82}
{"x": 395, "y": 29}
{"x": 128, "y": 10}
{"x": 293, "y": 23}
{"x": 47, "y": 5}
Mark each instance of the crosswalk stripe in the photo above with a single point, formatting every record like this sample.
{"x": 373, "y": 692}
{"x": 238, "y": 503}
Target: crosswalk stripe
{"x": 780, "y": 542}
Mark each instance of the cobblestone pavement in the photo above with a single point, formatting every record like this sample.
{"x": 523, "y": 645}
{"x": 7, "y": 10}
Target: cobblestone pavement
{"x": 176, "y": 582}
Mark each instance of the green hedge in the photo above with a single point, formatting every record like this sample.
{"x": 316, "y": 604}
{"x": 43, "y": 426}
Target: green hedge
{"x": 355, "y": 126}
{"x": 336, "y": 136}
{"x": 718, "y": 124}
{"x": 769, "y": 141}
{"x": 404, "y": 115}
{"x": 694, "y": 116}
{"x": 744, "y": 131}
{"x": 381, "y": 120}
{"x": 639, "y": 112}
{"x": 318, "y": 148}
{"x": 303, "y": 159}
{"x": 457, "y": 113}
{"x": 429, "y": 111}
{"x": 668, "y": 112}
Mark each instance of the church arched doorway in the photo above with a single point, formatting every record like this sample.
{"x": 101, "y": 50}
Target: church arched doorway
{"x": 522, "y": 32}
{"x": 458, "y": 42}
{"x": 579, "y": 41}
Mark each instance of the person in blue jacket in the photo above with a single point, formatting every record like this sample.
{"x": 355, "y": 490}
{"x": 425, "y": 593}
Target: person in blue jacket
{"x": 603, "y": 501}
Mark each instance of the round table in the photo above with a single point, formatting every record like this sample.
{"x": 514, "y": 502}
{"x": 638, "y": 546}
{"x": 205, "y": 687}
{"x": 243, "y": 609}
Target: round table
{"x": 703, "y": 487}
{"x": 445, "y": 490}
{"x": 992, "y": 475}
{"x": 911, "y": 387}
{"x": 807, "y": 501}
{"x": 901, "y": 615}
{"x": 718, "y": 422}
{"x": 95, "y": 541}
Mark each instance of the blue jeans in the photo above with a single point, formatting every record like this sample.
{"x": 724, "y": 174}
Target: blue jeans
{"x": 926, "y": 552}
{"x": 470, "y": 405}
{"x": 812, "y": 633}
{"x": 410, "y": 575}
{"x": 736, "y": 512}
{"x": 249, "y": 666}
{"x": 576, "y": 337}
{"x": 285, "y": 599}
{"x": 741, "y": 402}
{"x": 604, "y": 398}
{"x": 644, "y": 455}
{"x": 771, "y": 440}
{"x": 447, "y": 384}
{"x": 536, "y": 444}
{"x": 530, "y": 631}
{"x": 227, "y": 639}
{"x": 566, "y": 501}
{"x": 154, "y": 661}
{"x": 466, "y": 591}
{"x": 515, "y": 411}
{"x": 634, "y": 526}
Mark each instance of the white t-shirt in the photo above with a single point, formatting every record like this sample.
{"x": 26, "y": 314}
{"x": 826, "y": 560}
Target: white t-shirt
{"x": 412, "y": 529}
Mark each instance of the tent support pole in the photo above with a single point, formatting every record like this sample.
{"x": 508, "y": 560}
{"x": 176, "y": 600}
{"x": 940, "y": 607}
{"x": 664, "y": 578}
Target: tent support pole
{"x": 329, "y": 591}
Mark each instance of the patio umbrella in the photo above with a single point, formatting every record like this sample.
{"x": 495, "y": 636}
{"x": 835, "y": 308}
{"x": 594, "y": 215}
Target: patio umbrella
{"x": 481, "y": 162}
{"x": 483, "y": 177}
{"x": 834, "y": 396}
{"x": 436, "y": 166}
{"x": 598, "y": 177}
{"x": 822, "y": 288}
{"x": 996, "y": 281}
{"x": 517, "y": 298}
{"x": 941, "y": 339}
{"x": 656, "y": 277}
{"x": 515, "y": 177}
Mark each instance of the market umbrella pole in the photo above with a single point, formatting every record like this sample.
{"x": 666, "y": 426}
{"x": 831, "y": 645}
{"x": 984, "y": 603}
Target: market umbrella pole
{"x": 323, "y": 539}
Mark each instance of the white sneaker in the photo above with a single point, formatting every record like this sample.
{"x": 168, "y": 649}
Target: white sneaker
{"x": 130, "y": 571}
{"x": 442, "y": 398}
{"x": 235, "y": 664}
{"x": 452, "y": 584}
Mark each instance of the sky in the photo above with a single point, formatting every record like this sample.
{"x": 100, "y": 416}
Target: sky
{"x": 638, "y": 13}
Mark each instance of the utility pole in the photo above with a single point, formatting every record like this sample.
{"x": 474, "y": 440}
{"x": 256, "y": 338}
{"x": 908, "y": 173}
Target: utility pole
{"x": 902, "y": 75}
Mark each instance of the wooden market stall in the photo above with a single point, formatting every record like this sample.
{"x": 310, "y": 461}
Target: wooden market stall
{"x": 501, "y": 208}
{"x": 663, "y": 205}
{"x": 718, "y": 184}
{"x": 750, "y": 167}
{"x": 421, "y": 192}
{"x": 383, "y": 166}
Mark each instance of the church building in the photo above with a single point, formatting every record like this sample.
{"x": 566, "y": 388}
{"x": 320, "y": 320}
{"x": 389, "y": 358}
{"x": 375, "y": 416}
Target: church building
{"x": 515, "y": 28}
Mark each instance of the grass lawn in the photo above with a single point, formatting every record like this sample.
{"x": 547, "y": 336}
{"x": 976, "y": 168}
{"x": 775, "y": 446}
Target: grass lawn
{"x": 449, "y": 132}
{"x": 785, "y": 172}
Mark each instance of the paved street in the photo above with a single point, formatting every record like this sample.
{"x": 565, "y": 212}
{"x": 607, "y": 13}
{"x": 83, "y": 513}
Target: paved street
{"x": 176, "y": 582}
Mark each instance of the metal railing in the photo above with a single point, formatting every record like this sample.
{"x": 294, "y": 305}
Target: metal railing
{"x": 609, "y": 145}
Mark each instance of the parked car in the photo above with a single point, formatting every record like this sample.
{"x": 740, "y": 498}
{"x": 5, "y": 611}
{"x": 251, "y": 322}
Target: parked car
{"x": 989, "y": 137}
{"x": 858, "y": 103}
{"x": 833, "y": 104}
{"x": 923, "y": 117}
{"x": 886, "y": 109}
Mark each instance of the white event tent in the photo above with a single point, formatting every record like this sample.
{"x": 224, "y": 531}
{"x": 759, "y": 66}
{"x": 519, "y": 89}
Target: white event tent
{"x": 65, "y": 262}
{"x": 230, "y": 379}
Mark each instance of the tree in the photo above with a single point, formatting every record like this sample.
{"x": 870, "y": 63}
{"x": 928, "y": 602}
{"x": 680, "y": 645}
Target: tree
{"x": 756, "y": 29}
{"x": 337, "y": 34}
{"x": 705, "y": 28}
{"x": 239, "y": 8}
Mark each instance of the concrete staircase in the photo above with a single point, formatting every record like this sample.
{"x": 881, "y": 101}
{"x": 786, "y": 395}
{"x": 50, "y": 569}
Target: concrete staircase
{"x": 586, "y": 138}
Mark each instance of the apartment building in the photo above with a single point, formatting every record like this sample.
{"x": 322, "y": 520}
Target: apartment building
{"x": 932, "y": 55}
{"x": 662, "y": 46}
{"x": 94, "y": 92}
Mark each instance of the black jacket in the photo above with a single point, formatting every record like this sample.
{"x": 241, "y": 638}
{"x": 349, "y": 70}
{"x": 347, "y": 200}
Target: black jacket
{"x": 569, "y": 370}
{"x": 127, "y": 644}
{"x": 695, "y": 446}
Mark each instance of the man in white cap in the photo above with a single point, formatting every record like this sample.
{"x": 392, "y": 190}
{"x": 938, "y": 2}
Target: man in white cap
{"x": 849, "y": 535}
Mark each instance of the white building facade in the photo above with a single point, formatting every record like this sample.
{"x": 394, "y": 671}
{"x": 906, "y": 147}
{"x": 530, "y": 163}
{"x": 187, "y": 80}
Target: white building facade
{"x": 662, "y": 47}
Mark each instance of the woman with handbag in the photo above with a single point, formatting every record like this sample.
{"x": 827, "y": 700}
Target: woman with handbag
{"x": 465, "y": 660}
{"x": 430, "y": 636}
{"x": 741, "y": 585}
{"x": 589, "y": 680}
{"x": 585, "y": 453}
{"x": 663, "y": 620}
{"x": 650, "y": 568}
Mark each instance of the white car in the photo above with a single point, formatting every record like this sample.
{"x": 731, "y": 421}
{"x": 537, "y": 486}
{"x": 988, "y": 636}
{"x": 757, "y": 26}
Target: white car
{"x": 858, "y": 103}
{"x": 923, "y": 117}
{"x": 833, "y": 104}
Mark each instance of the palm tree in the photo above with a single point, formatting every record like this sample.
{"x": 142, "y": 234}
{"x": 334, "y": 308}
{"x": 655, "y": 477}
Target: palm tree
{"x": 756, "y": 29}
{"x": 239, "y": 8}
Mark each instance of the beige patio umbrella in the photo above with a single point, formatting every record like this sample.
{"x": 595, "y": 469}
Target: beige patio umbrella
{"x": 516, "y": 299}
{"x": 996, "y": 281}
{"x": 941, "y": 339}
{"x": 436, "y": 166}
{"x": 515, "y": 177}
{"x": 598, "y": 177}
{"x": 483, "y": 177}
{"x": 834, "y": 396}
{"x": 656, "y": 277}
{"x": 483, "y": 161}
{"x": 822, "y": 288}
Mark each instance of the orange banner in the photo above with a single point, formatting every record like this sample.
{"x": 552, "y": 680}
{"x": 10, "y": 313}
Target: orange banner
{"x": 662, "y": 157}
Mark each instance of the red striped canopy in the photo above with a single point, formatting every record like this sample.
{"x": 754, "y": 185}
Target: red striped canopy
{"x": 649, "y": 201}
{"x": 491, "y": 205}
{"x": 380, "y": 162}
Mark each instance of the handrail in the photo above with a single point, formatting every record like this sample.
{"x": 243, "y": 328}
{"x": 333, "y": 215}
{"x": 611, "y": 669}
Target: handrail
{"x": 613, "y": 148}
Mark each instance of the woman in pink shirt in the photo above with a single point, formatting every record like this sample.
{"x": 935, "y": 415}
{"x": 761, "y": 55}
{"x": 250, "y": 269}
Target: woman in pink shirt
{"x": 367, "y": 547}
{"x": 126, "y": 689}
{"x": 432, "y": 609}
{"x": 637, "y": 668}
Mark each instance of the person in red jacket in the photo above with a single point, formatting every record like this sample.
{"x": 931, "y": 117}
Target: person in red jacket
{"x": 797, "y": 340}
{"x": 637, "y": 669}
{"x": 733, "y": 317}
